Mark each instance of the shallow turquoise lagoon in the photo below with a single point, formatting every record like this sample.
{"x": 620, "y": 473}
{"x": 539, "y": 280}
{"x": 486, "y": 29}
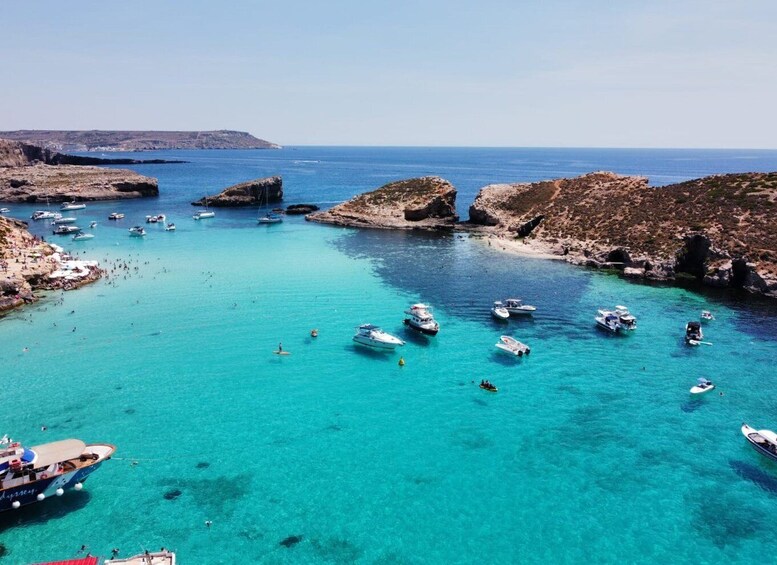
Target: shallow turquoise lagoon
{"x": 591, "y": 450}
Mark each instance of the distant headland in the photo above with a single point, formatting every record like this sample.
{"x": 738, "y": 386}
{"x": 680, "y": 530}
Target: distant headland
{"x": 107, "y": 140}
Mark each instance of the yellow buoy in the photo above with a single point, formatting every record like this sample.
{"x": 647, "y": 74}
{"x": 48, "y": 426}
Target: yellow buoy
{"x": 401, "y": 361}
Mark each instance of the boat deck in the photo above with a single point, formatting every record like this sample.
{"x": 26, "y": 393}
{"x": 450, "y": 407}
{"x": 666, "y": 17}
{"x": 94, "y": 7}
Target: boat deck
{"x": 149, "y": 558}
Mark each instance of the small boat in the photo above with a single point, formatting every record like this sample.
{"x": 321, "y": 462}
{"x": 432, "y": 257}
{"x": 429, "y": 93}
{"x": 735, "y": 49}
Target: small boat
{"x": 516, "y": 306}
{"x": 499, "y": 311}
{"x": 512, "y": 346}
{"x": 155, "y": 219}
{"x": 608, "y": 320}
{"x": 490, "y": 387}
{"x": 137, "y": 231}
{"x": 314, "y": 333}
{"x": 4, "y": 210}
{"x": 373, "y": 336}
{"x": 61, "y": 220}
{"x": 702, "y": 385}
{"x": 72, "y": 206}
{"x": 693, "y": 333}
{"x": 81, "y": 236}
{"x": 170, "y": 227}
{"x": 31, "y": 474}
{"x": 66, "y": 230}
{"x": 92, "y": 225}
{"x": 270, "y": 218}
{"x": 203, "y": 214}
{"x": 764, "y": 441}
{"x": 626, "y": 319}
{"x": 161, "y": 557}
{"x": 707, "y": 315}
{"x": 116, "y": 216}
{"x": 44, "y": 215}
{"x": 421, "y": 319}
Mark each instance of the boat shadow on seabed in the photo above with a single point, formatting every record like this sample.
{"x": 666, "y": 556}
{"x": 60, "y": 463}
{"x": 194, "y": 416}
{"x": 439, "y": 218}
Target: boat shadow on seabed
{"x": 52, "y": 508}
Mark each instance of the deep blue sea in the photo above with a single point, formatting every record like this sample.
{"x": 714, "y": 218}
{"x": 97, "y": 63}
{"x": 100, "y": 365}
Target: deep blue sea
{"x": 592, "y": 450}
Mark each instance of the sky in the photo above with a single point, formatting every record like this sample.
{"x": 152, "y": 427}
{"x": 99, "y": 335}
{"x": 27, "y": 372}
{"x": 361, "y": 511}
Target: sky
{"x": 550, "y": 73}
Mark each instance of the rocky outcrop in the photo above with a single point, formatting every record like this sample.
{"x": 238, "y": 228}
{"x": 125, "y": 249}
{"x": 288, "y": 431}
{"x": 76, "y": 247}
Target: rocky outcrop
{"x": 427, "y": 203}
{"x": 721, "y": 230}
{"x": 300, "y": 209}
{"x": 41, "y": 183}
{"x": 96, "y": 140}
{"x": 251, "y": 193}
{"x": 18, "y": 154}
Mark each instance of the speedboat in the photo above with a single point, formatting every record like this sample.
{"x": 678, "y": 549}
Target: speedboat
{"x": 764, "y": 441}
{"x": 626, "y": 319}
{"x": 702, "y": 385}
{"x": 44, "y": 215}
{"x": 490, "y": 387}
{"x": 66, "y": 230}
{"x": 29, "y": 475}
{"x": 92, "y": 225}
{"x": 203, "y": 214}
{"x": 516, "y": 306}
{"x": 116, "y": 216}
{"x": 512, "y": 346}
{"x": 72, "y": 206}
{"x": 373, "y": 336}
{"x": 155, "y": 219}
{"x": 499, "y": 311}
{"x": 270, "y": 218}
{"x": 66, "y": 220}
{"x": 170, "y": 227}
{"x": 4, "y": 210}
{"x": 137, "y": 231}
{"x": 81, "y": 236}
{"x": 421, "y": 319}
{"x": 608, "y": 320}
{"x": 693, "y": 333}
{"x": 707, "y": 315}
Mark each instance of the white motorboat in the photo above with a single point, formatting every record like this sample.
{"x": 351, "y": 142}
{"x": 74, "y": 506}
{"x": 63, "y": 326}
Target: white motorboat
{"x": 81, "y": 236}
{"x": 170, "y": 227}
{"x": 116, "y": 216}
{"x": 270, "y": 218}
{"x": 421, "y": 319}
{"x": 155, "y": 219}
{"x": 499, "y": 311}
{"x": 512, "y": 346}
{"x": 626, "y": 319}
{"x": 45, "y": 215}
{"x": 137, "y": 231}
{"x": 66, "y": 230}
{"x": 4, "y": 210}
{"x": 764, "y": 441}
{"x": 693, "y": 333}
{"x": 203, "y": 214}
{"x": 608, "y": 320}
{"x": 702, "y": 385}
{"x": 92, "y": 225}
{"x": 373, "y": 336}
{"x": 707, "y": 315}
{"x": 72, "y": 206}
{"x": 516, "y": 306}
{"x": 61, "y": 220}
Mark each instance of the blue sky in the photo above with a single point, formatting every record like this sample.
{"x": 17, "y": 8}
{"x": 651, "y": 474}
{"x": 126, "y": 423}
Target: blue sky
{"x": 540, "y": 73}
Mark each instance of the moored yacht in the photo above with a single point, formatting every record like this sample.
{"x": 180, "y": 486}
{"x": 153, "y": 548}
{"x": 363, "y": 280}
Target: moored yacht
{"x": 61, "y": 220}
{"x": 203, "y": 214}
{"x": 608, "y": 320}
{"x": 81, "y": 236}
{"x": 702, "y": 385}
{"x": 516, "y": 306}
{"x": 45, "y": 215}
{"x": 626, "y": 319}
{"x": 270, "y": 218}
{"x": 155, "y": 219}
{"x": 170, "y": 227}
{"x": 116, "y": 216}
{"x": 763, "y": 441}
{"x": 66, "y": 230}
{"x": 373, "y": 336}
{"x": 707, "y": 315}
{"x": 512, "y": 346}
{"x": 421, "y": 319}
{"x": 4, "y": 210}
{"x": 72, "y": 206}
{"x": 693, "y": 333}
{"x": 499, "y": 311}
{"x": 29, "y": 475}
{"x": 137, "y": 231}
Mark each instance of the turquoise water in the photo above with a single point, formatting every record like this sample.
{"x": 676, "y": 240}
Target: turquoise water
{"x": 592, "y": 450}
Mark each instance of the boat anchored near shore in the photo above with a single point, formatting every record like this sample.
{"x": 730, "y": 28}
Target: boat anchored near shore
{"x": 375, "y": 337}
{"x": 763, "y": 441}
{"x": 512, "y": 346}
{"x": 421, "y": 319}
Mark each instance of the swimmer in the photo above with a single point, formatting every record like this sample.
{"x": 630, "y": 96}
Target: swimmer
{"x": 208, "y": 523}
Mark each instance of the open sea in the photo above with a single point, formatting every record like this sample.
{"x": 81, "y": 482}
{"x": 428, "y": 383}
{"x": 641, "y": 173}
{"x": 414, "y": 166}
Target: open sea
{"x": 593, "y": 450}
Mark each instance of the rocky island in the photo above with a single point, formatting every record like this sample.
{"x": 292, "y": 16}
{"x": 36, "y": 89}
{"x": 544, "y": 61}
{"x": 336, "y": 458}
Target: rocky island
{"x": 425, "y": 203}
{"x": 97, "y": 140}
{"x": 721, "y": 230}
{"x": 25, "y": 177}
{"x": 250, "y": 193}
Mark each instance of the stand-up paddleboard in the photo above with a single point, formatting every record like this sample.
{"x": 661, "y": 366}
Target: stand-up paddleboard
{"x": 282, "y": 352}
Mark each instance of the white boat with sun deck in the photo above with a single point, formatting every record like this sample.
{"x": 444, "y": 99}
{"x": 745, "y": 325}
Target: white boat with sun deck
{"x": 499, "y": 311}
{"x": 626, "y": 318}
{"x": 373, "y": 336}
{"x": 763, "y": 441}
{"x": 72, "y": 206}
{"x": 512, "y": 346}
{"x": 693, "y": 333}
{"x": 45, "y": 215}
{"x": 137, "y": 231}
{"x": 421, "y": 319}
{"x": 516, "y": 306}
{"x": 608, "y": 320}
{"x": 702, "y": 385}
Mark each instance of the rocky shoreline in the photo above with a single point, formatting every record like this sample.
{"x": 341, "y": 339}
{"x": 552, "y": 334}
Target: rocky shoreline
{"x": 255, "y": 192}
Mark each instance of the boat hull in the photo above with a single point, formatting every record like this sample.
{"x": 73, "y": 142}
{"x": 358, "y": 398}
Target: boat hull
{"x": 28, "y": 493}
{"x": 427, "y": 331}
{"x": 374, "y": 344}
{"x": 746, "y": 431}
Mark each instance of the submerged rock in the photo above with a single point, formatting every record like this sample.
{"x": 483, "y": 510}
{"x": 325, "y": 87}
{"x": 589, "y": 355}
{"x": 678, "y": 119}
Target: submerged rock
{"x": 290, "y": 541}
{"x": 250, "y": 193}
{"x": 299, "y": 209}
{"x": 421, "y": 203}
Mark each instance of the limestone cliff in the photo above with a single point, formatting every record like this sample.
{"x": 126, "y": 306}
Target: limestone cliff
{"x": 251, "y": 193}
{"x": 720, "y": 229}
{"x": 420, "y": 203}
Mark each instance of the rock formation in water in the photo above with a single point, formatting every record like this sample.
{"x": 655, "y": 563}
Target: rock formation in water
{"x": 720, "y": 229}
{"x": 96, "y": 140}
{"x": 256, "y": 192}
{"x": 301, "y": 209}
{"x": 427, "y": 203}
